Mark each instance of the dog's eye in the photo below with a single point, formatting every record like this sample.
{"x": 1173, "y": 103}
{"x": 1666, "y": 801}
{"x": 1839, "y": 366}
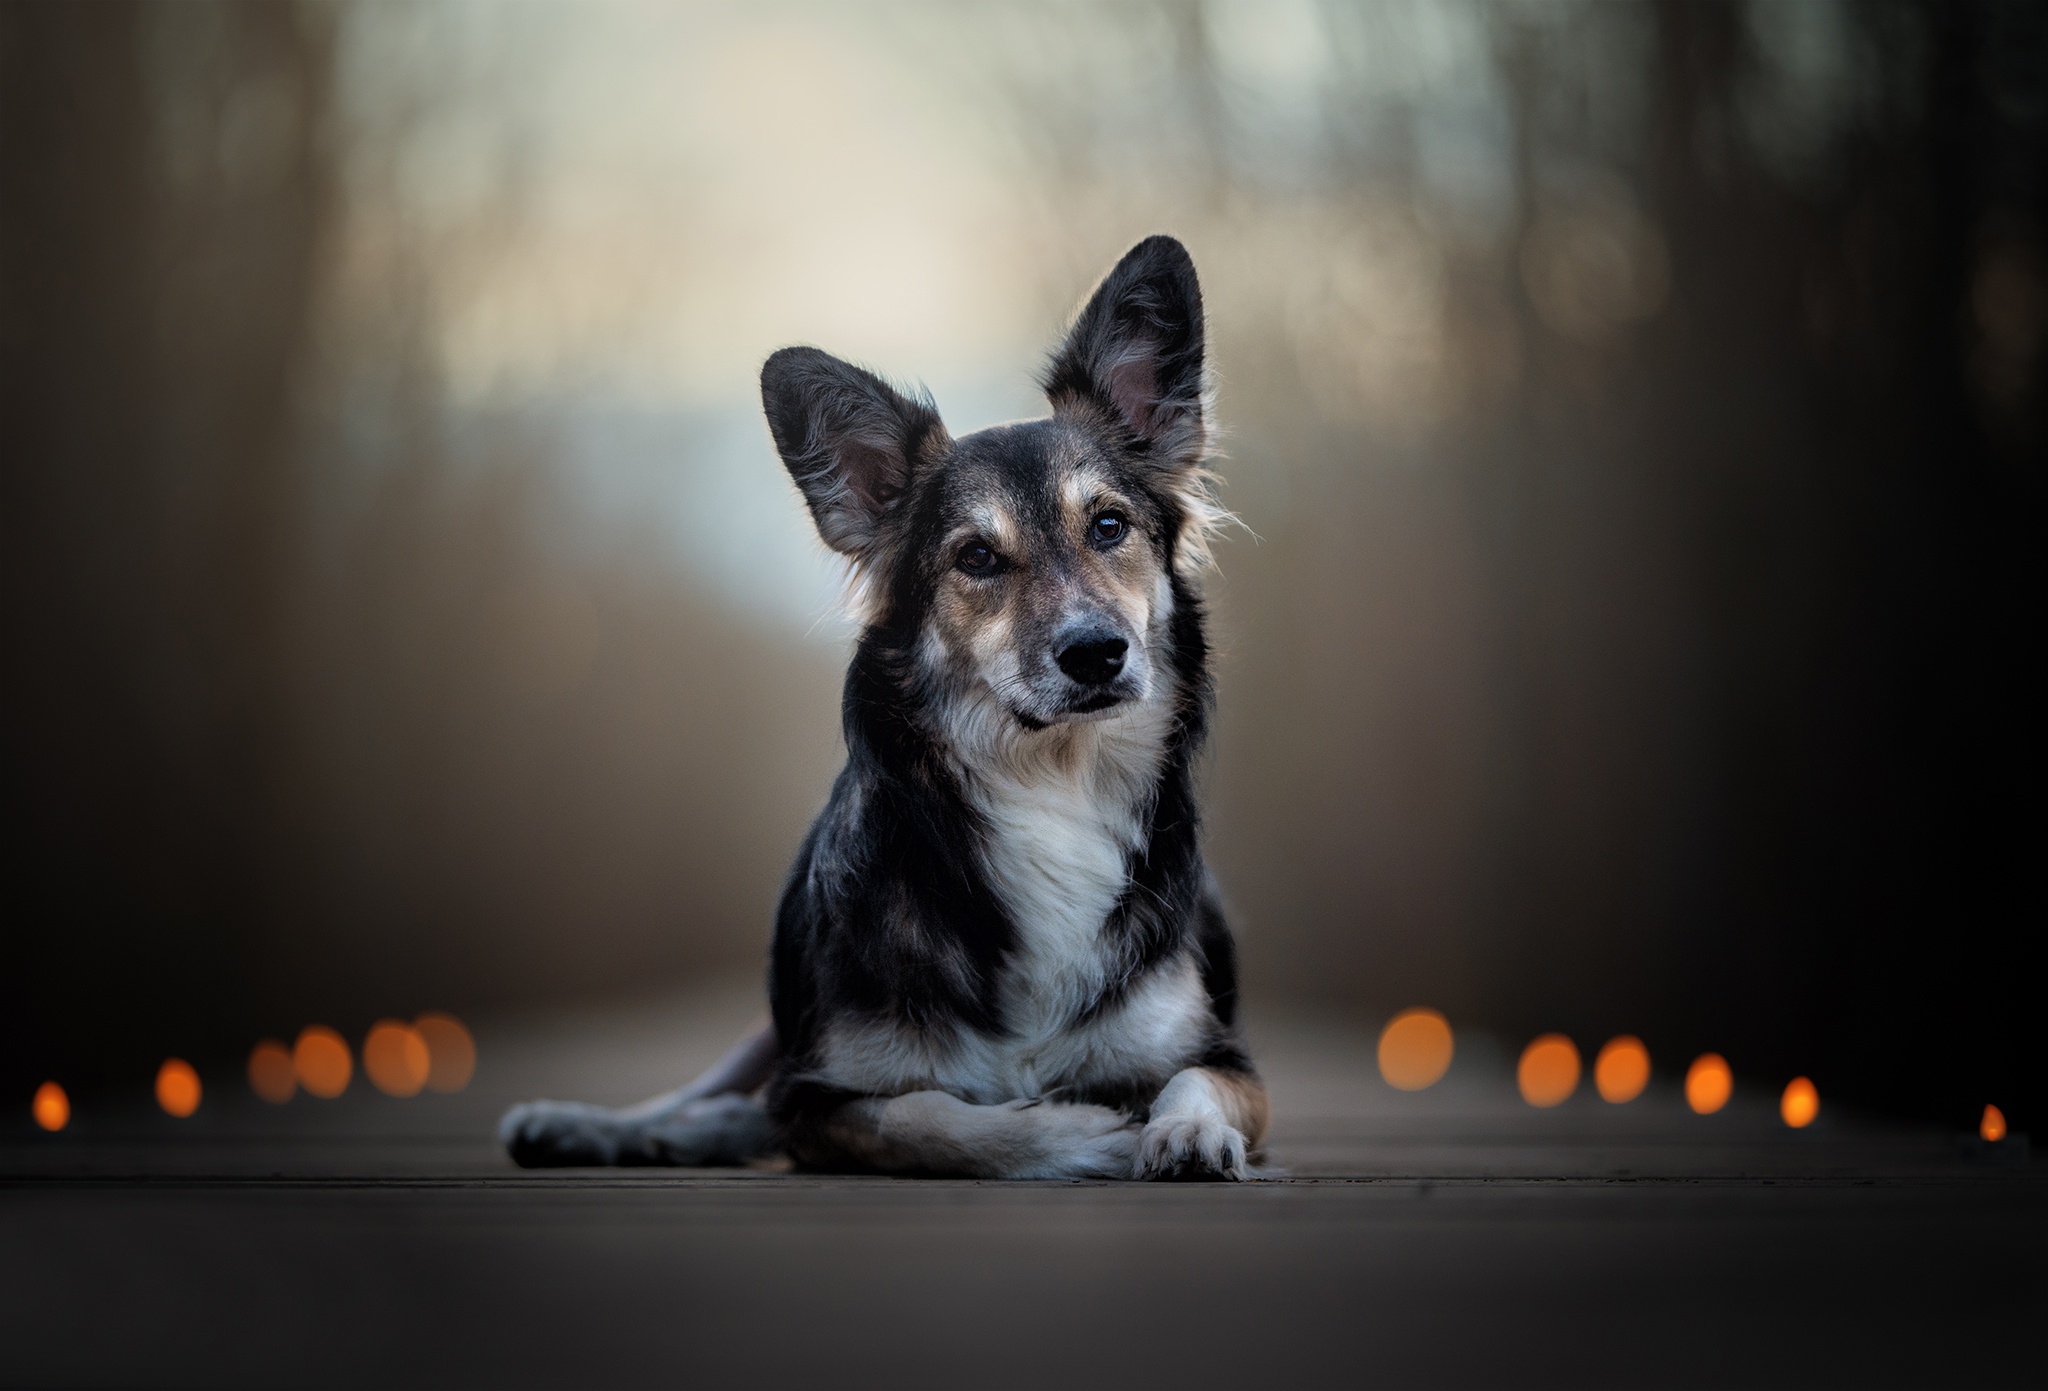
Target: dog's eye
{"x": 1108, "y": 529}
{"x": 976, "y": 559}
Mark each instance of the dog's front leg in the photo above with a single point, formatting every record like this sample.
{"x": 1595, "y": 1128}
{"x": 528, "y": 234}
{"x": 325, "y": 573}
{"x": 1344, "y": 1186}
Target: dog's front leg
{"x": 1203, "y": 1124}
{"x": 934, "y": 1132}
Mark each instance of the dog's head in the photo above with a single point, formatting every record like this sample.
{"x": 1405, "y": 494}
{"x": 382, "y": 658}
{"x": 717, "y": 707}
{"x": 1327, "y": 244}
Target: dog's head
{"x": 1032, "y": 563}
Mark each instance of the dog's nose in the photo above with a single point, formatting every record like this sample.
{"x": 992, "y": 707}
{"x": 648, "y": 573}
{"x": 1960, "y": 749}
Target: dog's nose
{"x": 1093, "y": 659}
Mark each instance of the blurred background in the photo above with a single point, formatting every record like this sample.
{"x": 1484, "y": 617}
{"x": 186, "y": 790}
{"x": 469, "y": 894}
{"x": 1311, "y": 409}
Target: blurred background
{"x": 1636, "y": 414}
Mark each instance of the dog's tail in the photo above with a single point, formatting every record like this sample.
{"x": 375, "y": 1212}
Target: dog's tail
{"x": 715, "y": 1120}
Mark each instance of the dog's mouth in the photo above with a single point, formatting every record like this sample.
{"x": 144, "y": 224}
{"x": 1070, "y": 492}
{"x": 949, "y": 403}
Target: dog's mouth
{"x": 1086, "y": 708}
{"x": 1048, "y": 696}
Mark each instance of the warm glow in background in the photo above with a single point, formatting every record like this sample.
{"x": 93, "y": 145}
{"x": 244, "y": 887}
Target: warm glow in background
{"x": 272, "y": 1074}
{"x": 395, "y": 1058}
{"x": 1415, "y": 1049}
{"x": 1622, "y": 1070}
{"x": 177, "y": 1088}
{"x": 1708, "y": 1083}
{"x": 1549, "y": 1070}
{"x": 51, "y": 1107}
{"x": 451, "y": 1052}
{"x": 321, "y": 1061}
{"x": 1799, "y": 1104}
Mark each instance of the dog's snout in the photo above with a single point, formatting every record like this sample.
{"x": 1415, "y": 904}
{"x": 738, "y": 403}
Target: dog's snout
{"x": 1093, "y": 658}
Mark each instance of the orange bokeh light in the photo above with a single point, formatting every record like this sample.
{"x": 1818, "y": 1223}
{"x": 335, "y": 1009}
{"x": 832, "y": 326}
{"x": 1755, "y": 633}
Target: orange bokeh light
{"x": 51, "y": 1107}
{"x": 1622, "y": 1070}
{"x": 1549, "y": 1070}
{"x": 321, "y": 1060}
{"x": 1708, "y": 1083}
{"x": 1992, "y": 1126}
{"x": 271, "y": 1074}
{"x": 395, "y": 1058}
{"x": 1800, "y": 1103}
{"x": 177, "y": 1087}
{"x": 1415, "y": 1049}
{"x": 451, "y": 1053}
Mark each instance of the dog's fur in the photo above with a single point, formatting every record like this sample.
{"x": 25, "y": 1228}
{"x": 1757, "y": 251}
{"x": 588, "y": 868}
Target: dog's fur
{"x": 998, "y": 953}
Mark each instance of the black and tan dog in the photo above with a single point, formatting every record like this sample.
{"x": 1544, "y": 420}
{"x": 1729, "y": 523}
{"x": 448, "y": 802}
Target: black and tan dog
{"x": 999, "y": 953}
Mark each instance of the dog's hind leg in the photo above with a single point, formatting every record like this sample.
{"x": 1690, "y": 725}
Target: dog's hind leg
{"x": 713, "y": 1120}
{"x": 936, "y": 1133}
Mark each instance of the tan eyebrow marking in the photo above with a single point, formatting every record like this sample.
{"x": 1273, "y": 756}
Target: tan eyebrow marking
{"x": 1084, "y": 490}
{"x": 990, "y": 523}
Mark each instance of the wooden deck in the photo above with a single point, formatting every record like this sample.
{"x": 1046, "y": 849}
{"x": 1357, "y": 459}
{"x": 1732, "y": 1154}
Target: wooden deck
{"x": 1450, "y": 1238}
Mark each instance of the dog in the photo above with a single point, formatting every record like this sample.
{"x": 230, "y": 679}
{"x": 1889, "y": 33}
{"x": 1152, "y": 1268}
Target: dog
{"x": 999, "y": 953}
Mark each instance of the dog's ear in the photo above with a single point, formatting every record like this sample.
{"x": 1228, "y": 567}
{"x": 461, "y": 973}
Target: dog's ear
{"x": 1135, "y": 354}
{"x": 848, "y": 438}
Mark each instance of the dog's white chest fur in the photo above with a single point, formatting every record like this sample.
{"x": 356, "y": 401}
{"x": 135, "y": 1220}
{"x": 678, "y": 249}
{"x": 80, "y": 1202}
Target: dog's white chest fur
{"x": 1061, "y": 828}
{"x": 1061, "y": 824}
{"x": 1058, "y": 855}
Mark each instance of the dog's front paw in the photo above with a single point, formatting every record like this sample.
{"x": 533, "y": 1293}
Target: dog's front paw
{"x": 1190, "y": 1147}
{"x": 552, "y": 1134}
